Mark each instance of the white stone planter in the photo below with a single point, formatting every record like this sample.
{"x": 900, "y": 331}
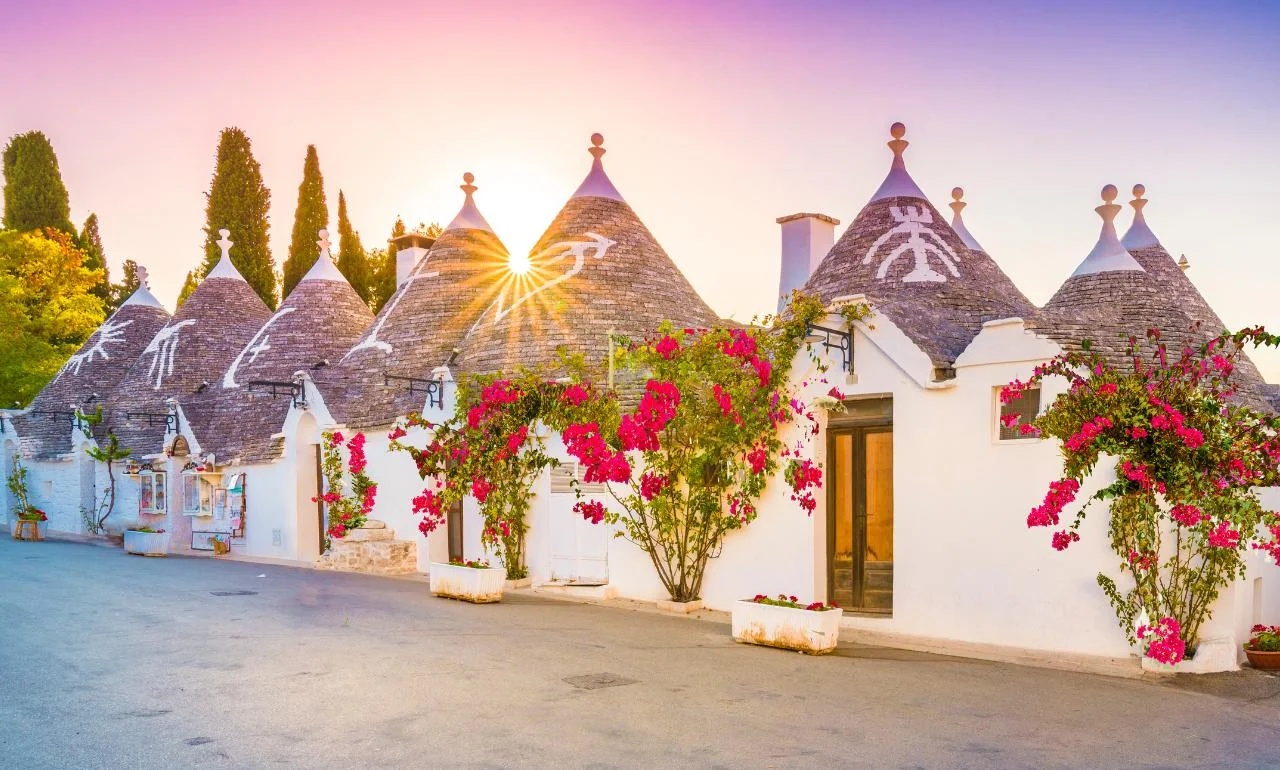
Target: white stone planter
{"x": 811, "y": 631}
{"x": 480, "y": 586}
{"x": 146, "y": 543}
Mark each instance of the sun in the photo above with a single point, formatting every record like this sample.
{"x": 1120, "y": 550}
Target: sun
{"x": 518, "y": 263}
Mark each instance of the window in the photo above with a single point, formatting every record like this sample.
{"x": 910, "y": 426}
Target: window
{"x": 1026, "y": 406}
{"x": 190, "y": 494}
{"x": 197, "y": 495}
{"x": 564, "y": 474}
{"x": 152, "y": 498}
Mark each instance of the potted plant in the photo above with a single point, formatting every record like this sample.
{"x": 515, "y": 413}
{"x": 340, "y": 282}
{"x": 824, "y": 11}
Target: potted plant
{"x": 471, "y": 581}
{"x": 146, "y": 541}
{"x": 786, "y": 623}
{"x": 31, "y": 513}
{"x": 1263, "y": 648}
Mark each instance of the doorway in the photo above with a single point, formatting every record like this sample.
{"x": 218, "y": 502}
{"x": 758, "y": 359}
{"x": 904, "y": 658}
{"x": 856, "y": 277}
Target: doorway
{"x": 860, "y": 507}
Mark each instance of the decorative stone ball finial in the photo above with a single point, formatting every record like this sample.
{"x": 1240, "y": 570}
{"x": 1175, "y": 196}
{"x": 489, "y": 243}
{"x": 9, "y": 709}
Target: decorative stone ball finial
{"x": 1109, "y": 207}
{"x": 323, "y": 243}
{"x": 597, "y": 146}
{"x": 467, "y": 186}
{"x": 225, "y": 243}
{"x": 1139, "y": 190}
{"x": 898, "y": 144}
{"x": 957, "y": 193}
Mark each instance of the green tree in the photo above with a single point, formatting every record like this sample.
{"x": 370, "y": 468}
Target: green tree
{"x": 353, "y": 261}
{"x": 189, "y": 285}
{"x": 128, "y": 284}
{"x": 96, "y": 259}
{"x": 382, "y": 263}
{"x": 34, "y": 195}
{"x": 239, "y": 201}
{"x": 46, "y": 309}
{"x": 311, "y": 216}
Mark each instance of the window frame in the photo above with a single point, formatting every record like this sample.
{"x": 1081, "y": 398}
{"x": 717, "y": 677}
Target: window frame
{"x": 154, "y": 482}
{"x": 998, "y": 413}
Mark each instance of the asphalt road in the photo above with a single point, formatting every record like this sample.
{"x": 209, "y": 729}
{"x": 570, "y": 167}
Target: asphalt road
{"x": 115, "y": 661}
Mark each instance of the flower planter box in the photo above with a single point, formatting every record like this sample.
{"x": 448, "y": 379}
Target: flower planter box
{"x": 1263, "y": 661}
{"x": 809, "y": 631}
{"x": 146, "y": 543}
{"x": 42, "y": 527}
{"x": 479, "y": 586}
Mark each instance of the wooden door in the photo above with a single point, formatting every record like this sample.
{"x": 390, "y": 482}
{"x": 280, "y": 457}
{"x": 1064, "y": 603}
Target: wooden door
{"x": 860, "y": 524}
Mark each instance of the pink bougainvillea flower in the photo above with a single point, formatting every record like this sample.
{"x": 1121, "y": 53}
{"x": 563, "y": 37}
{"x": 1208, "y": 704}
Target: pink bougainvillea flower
{"x": 1223, "y": 536}
{"x": 591, "y": 510}
{"x": 667, "y": 346}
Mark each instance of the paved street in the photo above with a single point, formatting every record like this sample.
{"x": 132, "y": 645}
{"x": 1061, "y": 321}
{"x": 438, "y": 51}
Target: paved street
{"x": 114, "y": 661}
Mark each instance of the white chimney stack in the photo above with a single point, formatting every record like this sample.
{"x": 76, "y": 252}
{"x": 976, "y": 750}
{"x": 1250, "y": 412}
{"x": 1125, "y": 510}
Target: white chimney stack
{"x": 806, "y": 239}
{"x": 410, "y": 249}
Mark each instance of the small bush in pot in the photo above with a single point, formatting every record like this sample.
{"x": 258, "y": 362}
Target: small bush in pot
{"x": 1263, "y": 647}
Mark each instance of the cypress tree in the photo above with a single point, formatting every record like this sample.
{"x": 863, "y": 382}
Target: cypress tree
{"x": 95, "y": 258}
{"x": 352, "y": 259}
{"x": 311, "y": 216}
{"x": 239, "y": 201}
{"x": 34, "y": 195}
{"x": 188, "y": 286}
{"x": 129, "y": 283}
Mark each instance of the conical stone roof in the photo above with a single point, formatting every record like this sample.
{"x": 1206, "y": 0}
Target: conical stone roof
{"x": 901, "y": 253}
{"x": 91, "y": 375}
{"x": 186, "y": 359}
{"x": 313, "y": 328}
{"x": 1111, "y": 297}
{"x": 423, "y": 322}
{"x": 596, "y": 270}
{"x": 1171, "y": 278}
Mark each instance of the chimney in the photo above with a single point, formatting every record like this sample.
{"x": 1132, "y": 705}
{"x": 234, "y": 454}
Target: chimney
{"x": 410, "y": 249}
{"x": 806, "y": 239}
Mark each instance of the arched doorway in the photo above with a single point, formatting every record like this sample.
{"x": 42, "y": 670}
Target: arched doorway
{"x": 310, "y": 515}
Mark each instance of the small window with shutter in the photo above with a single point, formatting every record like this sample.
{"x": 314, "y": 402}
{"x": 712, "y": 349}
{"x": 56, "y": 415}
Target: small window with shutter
{"x": 563, "y": 476}
{"x": 1026, "y": 406}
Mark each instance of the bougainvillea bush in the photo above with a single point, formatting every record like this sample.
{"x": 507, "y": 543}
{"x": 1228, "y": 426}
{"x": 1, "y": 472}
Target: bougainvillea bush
{"x": 350, "y": 492}
{"x": 491, "y": 450}
{"x": 1188, "y": 452}
{"x": 685, "y": 451}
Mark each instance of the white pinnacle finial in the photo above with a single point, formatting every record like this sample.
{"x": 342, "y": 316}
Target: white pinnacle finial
{"x": 898, "y": 183}
{"x": 597, "y": 183}
{"x": 1108, "y": 253}
{"x": 324, "y": 268}
{"x": 1139, "y": 235}
{"x": 141, "y": 273}
{"x": 142, "y": 295}
{"x": 225, "y": 268}
{"x": 957, "y": 221}
{"x": 469, "y": 217}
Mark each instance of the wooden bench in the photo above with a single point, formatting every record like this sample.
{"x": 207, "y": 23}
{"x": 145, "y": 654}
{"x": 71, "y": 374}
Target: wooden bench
{"x": 28, "y": 529}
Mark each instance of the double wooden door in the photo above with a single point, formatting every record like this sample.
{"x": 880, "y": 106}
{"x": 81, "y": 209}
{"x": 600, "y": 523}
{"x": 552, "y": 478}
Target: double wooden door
{"x": 860, "y": 517}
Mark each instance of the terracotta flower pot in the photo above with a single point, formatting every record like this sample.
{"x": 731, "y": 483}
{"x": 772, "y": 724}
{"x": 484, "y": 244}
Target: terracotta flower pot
{"x": 1264, "y": 661}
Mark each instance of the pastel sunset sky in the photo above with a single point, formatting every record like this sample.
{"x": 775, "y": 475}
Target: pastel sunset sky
{"x": 718, "y": 117}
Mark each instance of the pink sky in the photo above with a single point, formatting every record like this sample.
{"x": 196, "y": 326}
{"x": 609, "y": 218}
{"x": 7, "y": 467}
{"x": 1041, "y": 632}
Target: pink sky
{"x": 718, "y": 118}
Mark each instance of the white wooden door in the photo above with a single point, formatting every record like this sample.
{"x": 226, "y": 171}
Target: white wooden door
{"x": 579, "y": 549}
